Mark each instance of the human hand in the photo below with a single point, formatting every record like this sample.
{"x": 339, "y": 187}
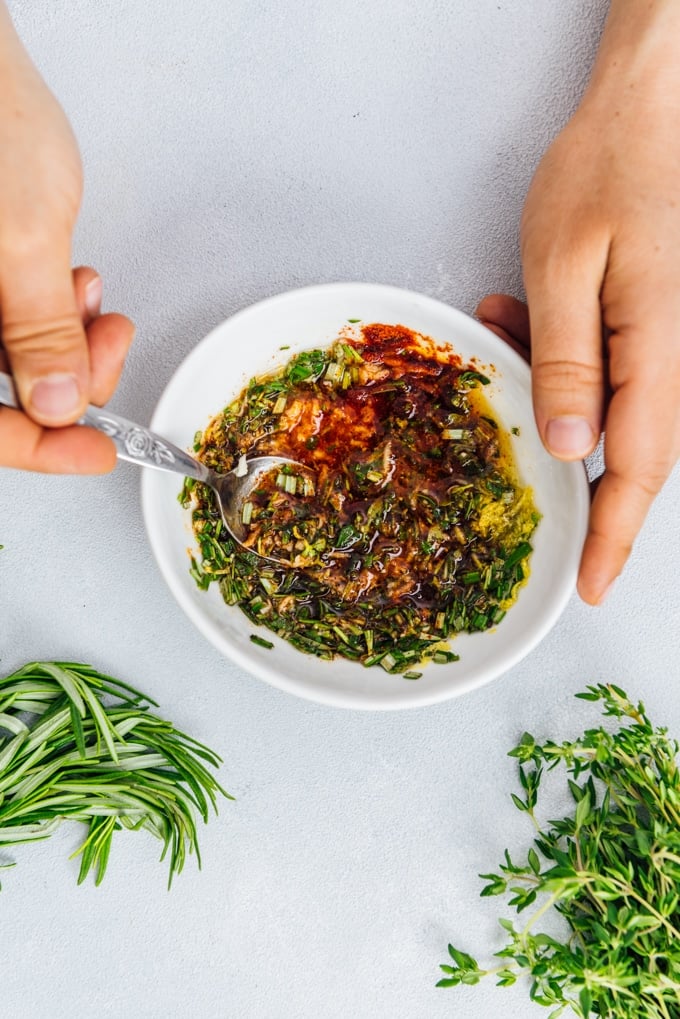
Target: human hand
{"x": 27, "y": 445}
{"x": 509, "y": 319}
{"x": 600, "y": 252}
{"x": 61, "y": 352}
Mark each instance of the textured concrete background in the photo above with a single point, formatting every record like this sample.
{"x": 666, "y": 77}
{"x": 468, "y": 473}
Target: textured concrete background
{"x": 233, "y": 150}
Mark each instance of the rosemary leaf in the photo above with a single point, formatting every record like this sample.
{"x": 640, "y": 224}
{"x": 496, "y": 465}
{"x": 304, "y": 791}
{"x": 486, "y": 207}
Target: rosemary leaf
{"x": 80, "y": 745}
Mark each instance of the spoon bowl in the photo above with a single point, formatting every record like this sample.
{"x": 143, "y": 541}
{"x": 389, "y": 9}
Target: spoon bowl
{"x": 233, "y": 491}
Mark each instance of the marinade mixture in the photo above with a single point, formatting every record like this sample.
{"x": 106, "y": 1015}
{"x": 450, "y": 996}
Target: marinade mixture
{"x": 413, "y": 526}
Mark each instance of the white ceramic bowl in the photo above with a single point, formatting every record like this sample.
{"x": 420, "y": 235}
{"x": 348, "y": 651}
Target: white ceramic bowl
{"x": 249, "y": 344}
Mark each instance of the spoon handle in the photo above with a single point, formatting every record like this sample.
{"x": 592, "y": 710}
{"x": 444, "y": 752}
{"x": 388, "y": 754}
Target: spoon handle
{"x": 134, "y": 443}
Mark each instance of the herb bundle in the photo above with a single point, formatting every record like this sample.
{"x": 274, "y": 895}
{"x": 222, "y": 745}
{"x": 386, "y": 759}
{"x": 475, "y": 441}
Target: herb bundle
{"x": 67, "y": 753}
{"x": 612, "y": 870}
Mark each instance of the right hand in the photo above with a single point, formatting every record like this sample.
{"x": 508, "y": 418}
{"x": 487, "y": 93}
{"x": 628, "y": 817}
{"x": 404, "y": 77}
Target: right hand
{"x": 61, "y": 352}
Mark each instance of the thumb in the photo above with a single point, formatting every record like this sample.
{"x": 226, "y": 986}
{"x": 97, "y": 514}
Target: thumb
{"x": 43, "y": 335}
{"x": 567, "y": 366}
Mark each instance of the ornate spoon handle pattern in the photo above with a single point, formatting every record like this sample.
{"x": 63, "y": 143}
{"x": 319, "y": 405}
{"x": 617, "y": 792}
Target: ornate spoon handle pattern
{"x": 133, "y": 442}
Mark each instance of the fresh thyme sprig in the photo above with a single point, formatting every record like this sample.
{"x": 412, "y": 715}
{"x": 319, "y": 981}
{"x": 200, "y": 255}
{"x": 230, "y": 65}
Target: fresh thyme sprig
{"x": 613, "y": 872}
{"x": 66, "y": 753}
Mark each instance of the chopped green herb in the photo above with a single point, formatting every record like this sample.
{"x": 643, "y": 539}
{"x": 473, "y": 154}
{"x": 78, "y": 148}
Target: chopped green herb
{"x": 443, "y": 657}
{"x": 472, "y": 378}
{"x": 261, "y": 642}
{"x": 417, "y": 528}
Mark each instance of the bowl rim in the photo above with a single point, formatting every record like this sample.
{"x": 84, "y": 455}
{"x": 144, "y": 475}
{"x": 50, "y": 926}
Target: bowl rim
{"x": 412, "y": 696}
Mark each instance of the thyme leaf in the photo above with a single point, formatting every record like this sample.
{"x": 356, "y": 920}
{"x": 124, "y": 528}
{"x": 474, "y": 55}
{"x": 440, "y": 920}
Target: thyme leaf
{"x": 611, "y": 868}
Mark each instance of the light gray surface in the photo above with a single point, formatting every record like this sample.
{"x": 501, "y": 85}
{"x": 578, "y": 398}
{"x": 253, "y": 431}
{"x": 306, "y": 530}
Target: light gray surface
{"x": 233, "y": 150}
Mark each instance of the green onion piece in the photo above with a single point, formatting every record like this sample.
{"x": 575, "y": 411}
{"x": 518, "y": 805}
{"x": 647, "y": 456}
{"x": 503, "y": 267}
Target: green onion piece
{"x": 350, "y": 354}
{"x": 334, "y": 372}
{"x": 412, "y": 675}
{"x": 453, "y": 433}
{"x": 261, "y": 642}
{"x": 247, "y": 512}
{"x": 442, "y": 657}
{"x": 388, "y": 662}
{"x": 521, "y": 552}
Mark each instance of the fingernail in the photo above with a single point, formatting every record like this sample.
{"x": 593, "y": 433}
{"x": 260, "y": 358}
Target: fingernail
{"x": 569, "y": 435}
{"x": 93, "y": 296}
{"x": 55, "y": 396}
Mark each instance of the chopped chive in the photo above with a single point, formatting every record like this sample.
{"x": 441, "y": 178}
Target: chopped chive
{"x": 442, "y": 657}
{"x": 261, "y": 642}
{"x": 521, "y": 552}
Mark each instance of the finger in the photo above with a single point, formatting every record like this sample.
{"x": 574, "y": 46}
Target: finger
{"x": 519, "y": 348}
{"x": 43, "y": 335}
{"x": 109, "y": 337}
{"x": 73, "y": 450}
{"x": 639, "y": 456}
{"x": 87, "y": 286}
{"x": 563, "y": 294}
{"x": 507, "y": 313}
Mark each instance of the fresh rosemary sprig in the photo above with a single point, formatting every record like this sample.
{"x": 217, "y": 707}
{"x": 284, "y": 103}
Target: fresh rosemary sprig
{"x": 66, "y": 753}
{"x": 613, "y": 872}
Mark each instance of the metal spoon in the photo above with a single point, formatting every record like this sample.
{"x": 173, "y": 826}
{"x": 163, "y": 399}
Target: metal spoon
{"x": 143, "y": 447}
